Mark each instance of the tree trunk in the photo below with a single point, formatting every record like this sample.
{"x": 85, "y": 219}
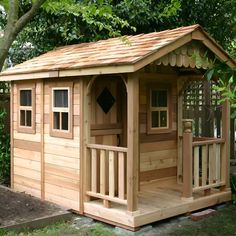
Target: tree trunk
{"x": 15, "y": 25}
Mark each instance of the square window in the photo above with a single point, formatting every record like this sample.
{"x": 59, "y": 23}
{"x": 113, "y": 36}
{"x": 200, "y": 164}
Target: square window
{"x": 159, "y": 98}
{"x": 25, "y": 97}
{"x": 61, "y": 98}
{"x": 61, "y": 116}
{"x": 26, "y": 106}
{"x": 158, "y": 109}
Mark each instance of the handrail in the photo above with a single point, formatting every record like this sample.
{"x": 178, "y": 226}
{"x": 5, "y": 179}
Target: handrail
{"x": 107, "y": 147}
{"x": 206, "y": 142}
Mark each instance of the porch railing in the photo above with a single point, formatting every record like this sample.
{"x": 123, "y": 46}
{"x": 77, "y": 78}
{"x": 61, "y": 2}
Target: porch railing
{"x": 107, "y": 175}
{"x": 203, "y": 162}
{"x": 207, "y": 159}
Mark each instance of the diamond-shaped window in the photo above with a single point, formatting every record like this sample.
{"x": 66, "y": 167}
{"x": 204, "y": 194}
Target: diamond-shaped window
{"x": 105, "y": 100}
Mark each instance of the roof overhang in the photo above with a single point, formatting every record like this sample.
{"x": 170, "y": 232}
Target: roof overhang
{"x": 198, "y": 34}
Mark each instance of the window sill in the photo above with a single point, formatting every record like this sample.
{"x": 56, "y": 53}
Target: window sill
{"x": 27, "y": 130}
{"x": 159, "y": 131}
{"x": 61, "y": 134}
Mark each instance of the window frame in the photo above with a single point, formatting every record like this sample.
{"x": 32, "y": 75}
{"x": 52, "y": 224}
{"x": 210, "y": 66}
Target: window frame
{"x": 150, "y": 109}
{"x": 60, "y": 132}
{"x": 22, "y": 128}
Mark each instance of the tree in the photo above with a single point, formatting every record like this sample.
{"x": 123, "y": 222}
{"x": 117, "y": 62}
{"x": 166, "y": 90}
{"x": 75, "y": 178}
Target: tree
{"x": 67, "y": 22}
{"x": 63, "y": 18}
{"x": 217, "y": 17}
{"x": 14, "y": 24}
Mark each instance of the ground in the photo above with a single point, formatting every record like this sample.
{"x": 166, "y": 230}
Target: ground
{"x": 19, "y": 207}
{"x": 222, "y": 223}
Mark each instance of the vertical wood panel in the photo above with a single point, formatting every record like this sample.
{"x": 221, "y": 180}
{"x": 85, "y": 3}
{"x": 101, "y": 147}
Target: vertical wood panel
{"x": 102, "y": 172}
{"x": 133, "y": 141}
{"x": 204, "y": 164}
{"x": 212, "y": 163}
{"x": 180, "y": 83}
{"x": 225, "y": 163}
{"x": 111, "y": 173}
{"x": 196, "y": 166}
{"x": 12, "y": 94}
{"x": 42, "y": 139}
{"x": 218, "y": 161}
{"x": 121, "y": 178}
{"x": 187, "y": 159}
{"x": 94, "y": 170}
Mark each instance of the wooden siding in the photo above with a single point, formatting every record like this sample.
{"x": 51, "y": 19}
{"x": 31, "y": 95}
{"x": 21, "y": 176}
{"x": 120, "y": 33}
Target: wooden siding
{"x": 158, "y": 152}
{"x": 44, "y": 166}
{"x": 62, "y": 155}
{"x": 27, "y": 150}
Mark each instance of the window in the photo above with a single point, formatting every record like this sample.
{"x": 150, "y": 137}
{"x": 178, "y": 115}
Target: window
{"x": 61, "y": 121}
{"x": 26, "y": 105}
{"x": 159, "y": 109}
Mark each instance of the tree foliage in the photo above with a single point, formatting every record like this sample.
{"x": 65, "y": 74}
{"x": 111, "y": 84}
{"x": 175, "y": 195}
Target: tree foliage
{"x": 61, "y": 22}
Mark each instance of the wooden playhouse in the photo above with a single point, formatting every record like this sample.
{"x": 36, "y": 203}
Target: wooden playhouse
{"x": 99, "y": 128}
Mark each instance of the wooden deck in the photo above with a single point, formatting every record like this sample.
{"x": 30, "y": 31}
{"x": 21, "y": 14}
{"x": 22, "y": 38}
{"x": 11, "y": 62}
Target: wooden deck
{"x": 157, "y": 200}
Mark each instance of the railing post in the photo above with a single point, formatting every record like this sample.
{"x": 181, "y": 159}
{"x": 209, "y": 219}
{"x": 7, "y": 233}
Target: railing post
{"x": 187, "y": 159}
{"x": 225, "y": 159}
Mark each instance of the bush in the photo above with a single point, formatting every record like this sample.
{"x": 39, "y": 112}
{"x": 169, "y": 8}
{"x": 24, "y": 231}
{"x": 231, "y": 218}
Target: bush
{"x": 4, "y": 151}
{"x": 233, "y": 187}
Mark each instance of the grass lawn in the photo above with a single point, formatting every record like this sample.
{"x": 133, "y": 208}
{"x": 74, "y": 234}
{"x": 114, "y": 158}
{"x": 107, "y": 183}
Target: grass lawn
{"x": 222, "y": 223}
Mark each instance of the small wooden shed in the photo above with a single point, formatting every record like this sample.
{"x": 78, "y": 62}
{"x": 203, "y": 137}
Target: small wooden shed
{"x": 98, "y": 127}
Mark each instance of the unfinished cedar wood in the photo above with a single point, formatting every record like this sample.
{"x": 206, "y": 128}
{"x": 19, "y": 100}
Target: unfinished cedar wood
{"x": 117, "y": 162}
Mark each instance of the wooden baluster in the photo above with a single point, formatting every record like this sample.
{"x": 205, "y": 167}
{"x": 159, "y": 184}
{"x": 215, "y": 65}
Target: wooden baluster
{"x": 218, "y": 161}
{"x": 212, "y": 163}
{"x": 103, "y": 172}
{"x": 204, "y": 164}
{"x": 88, "y": 171}
{"x": 187, "y": 159}
{"x": 111, "y": 173}
{"x": 94, "y": 171}
{"x": 121, "y": 175}
{"x": 196, "y": 166}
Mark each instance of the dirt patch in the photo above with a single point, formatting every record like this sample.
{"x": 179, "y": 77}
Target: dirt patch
{"x": 19, "y": 207}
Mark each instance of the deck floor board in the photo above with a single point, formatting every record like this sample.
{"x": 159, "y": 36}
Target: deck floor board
{"x": 157, "y": 200}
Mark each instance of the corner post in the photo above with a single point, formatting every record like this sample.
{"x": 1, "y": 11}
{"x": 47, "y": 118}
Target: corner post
{"x": 225, "y": 159}
{"x": 187, "y": 159}
{"x": 133, "y": 141}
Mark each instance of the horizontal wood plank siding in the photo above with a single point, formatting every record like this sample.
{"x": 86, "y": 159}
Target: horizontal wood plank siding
{"x": 26, "y": 147}
{"x": 58, "y": 175}
{"x": 158, "y": 152}
{"x": 62, "y": 155}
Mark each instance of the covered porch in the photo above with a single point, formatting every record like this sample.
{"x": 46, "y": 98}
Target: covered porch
{"x": 115, "y": 192}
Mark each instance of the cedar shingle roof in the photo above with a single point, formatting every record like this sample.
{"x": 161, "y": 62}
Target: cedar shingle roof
{"x": 128, "y": 50}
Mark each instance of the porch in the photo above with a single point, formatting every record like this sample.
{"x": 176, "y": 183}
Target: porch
{"x": 157, "y": 200}
{"x": 205, "y": 183}
{"x": 113, "y": 188}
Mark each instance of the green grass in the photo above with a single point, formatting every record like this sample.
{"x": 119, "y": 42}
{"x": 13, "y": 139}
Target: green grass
{"x": 223, "y": 223}
{"x": 62, "y": 229}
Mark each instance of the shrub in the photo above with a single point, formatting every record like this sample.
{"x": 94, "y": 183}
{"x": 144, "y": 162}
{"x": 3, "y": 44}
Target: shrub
{"x": 233, "y": 187}
{"x": 4, "y": 151}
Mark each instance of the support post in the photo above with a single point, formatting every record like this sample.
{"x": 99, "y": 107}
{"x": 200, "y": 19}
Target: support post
{"x": 225, "y": 160}
{"x": 187, "y": 159}
{"x": 180, "y": 84}
{"x": 133, "y": 141}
